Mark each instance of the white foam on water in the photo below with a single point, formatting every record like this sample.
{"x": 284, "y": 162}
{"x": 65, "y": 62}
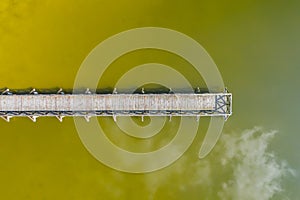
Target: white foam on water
{"x": 240, "y": 167}
{"x": 257, "y": 172}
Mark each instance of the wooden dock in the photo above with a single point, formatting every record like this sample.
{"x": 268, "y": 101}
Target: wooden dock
{"x": 88, "y": 105}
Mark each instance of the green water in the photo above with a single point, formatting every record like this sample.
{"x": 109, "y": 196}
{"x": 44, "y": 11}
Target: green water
{"x": 254, "y": 43}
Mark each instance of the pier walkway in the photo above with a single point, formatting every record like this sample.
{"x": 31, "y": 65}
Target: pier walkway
{"x": 88, "y": 105}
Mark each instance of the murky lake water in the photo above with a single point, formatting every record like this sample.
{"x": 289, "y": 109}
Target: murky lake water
{"x": 255, "y": 45}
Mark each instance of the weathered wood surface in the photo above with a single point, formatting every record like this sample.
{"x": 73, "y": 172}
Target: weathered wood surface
{"x": 112, "y": 102}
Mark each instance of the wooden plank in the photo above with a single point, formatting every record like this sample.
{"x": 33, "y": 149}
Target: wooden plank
{"x": 108, "y": 102}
